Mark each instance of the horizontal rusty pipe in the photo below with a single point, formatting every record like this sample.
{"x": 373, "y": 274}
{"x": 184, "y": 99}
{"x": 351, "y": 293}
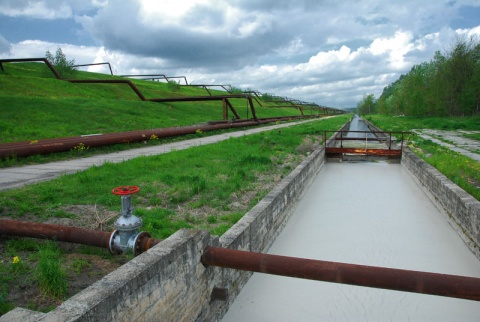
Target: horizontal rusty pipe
{"x": 158, "y": 76}
{"x": 96, "y": 64}
{"x": 360, "y": 275}
{"x": 26, "y": 148}
{"x": 378, "y": 152}
{"x": 110, "y": 81}
{"x": 24, "y": 60}
{"x": 57, "y": 232}
{"x": 68, "y": 234}
{"x": 22, "y": 149}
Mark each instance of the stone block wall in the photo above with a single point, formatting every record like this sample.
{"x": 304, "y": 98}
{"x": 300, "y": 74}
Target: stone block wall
{"x": 460, "y": 209}
{"x": 257, "y": 230}
{"x": 166, "y": 283}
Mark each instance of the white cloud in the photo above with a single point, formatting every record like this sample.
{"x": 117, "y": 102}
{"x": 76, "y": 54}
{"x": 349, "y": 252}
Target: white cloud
{"x": 395, "y": 47}
{"x": 328, "y": 51}
{"x": 326, "y": 60}
{"x": 47, "y": 9}
{"x": 336, "y": 78}
{"x": 474, "y": 32}
{"x": 5, "y": 46}
{"x": 37, "y": 9}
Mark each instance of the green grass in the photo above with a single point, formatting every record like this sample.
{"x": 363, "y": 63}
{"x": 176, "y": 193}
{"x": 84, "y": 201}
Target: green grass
{"x": 27, "y": 263}
{"x": 462, "y": 170}
{"x": 80, "y": 264}
{"x": 197, "y": 188}
{"x": 475, "y": 136}
{"x": 50, "y": 274}
{"x": 33, "y": 107}
{"x": 407, "y": 123}
{"x": 36, "y": 106}
{"x": 208, "y": 187}
{"x": 212, "y": 176}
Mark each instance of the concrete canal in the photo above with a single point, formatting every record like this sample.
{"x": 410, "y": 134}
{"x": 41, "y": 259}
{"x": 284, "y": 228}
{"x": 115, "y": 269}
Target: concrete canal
{"x": 369, "y": 214}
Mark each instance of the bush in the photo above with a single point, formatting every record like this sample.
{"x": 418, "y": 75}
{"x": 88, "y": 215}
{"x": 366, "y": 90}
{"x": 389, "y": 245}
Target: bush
{"x": 173, "y": 86}
{"x": 51, "y": 277}
{"x": 64, "y": 67}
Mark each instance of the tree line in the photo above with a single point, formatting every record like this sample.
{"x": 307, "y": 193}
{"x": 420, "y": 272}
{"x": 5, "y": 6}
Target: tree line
{"x": 448, "y": 85}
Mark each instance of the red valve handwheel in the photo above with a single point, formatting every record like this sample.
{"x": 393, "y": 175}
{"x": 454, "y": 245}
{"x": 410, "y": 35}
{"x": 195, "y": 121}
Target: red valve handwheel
{"x": 125, "y": 190}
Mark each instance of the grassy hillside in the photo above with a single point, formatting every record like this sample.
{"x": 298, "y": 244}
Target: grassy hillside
{"x": 34, "y": 105}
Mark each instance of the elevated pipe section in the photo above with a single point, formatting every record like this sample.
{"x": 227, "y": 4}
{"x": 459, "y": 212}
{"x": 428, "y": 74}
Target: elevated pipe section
{"x": 360, "y": 275}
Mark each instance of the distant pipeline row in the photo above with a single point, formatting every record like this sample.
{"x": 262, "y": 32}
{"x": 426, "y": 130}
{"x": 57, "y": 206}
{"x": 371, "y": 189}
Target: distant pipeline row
{"x": 47, "y": 146}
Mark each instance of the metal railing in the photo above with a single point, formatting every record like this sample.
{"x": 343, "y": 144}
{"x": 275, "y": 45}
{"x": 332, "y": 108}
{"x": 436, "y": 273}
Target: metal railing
{"x": 375, "y": 143}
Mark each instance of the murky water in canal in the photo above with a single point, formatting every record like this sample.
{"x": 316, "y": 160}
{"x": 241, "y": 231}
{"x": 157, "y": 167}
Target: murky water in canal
{"x": 370, "y": 214}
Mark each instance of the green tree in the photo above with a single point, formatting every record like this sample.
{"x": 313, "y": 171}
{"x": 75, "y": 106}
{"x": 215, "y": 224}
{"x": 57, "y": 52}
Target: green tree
{"x": 455, "y": 81}
{"x": 367, "y": 105}
{"x": 415, "y": 90}
{"x": 448, "y": 85}
{"x": 63, "y": 66}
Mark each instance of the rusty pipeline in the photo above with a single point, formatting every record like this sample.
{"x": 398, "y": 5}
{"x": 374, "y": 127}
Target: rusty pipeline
{"x": 157, "y": 76}
{"x": 27, "y": 148}
{"x": 360, "y": 275}
{"x": 24, "y": 60}
{"x": 96, "y": 64}
{"x": 69, "y": 234}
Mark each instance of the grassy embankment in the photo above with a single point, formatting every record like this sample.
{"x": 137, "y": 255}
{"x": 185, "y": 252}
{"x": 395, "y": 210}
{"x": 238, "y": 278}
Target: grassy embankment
{"x": 208, "y": 187}
{"x": 462, "y": 170}
{"x": 34, "y": 105}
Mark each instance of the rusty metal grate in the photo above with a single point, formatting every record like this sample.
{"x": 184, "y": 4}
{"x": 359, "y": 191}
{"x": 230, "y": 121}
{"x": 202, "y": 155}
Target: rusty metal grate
{"x": 367, "y": 143}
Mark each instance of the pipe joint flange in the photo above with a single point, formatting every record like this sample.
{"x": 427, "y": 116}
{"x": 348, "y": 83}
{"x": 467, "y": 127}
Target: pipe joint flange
{"x": 114, "y": 242}
{"x": 141, "y": 243}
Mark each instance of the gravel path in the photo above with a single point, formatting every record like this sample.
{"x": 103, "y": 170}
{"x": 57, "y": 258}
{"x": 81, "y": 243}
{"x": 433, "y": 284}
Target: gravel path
{"x": 453, "y": 140}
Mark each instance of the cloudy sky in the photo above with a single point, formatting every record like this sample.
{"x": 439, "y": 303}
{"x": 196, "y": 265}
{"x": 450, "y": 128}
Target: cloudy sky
{"x": 326, "y": 51}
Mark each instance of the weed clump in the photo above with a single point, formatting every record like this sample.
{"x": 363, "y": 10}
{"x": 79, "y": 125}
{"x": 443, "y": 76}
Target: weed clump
{"x": 51, "y": 277}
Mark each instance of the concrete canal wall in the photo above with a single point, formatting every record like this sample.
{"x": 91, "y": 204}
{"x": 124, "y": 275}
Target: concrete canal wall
{"x": 460, "y": 209}
{"x": 169, "y": 283}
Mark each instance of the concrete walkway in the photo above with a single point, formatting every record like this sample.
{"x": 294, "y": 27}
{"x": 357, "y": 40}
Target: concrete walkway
{"x": 20, "y": 176}
{"x": 460, "y": 144}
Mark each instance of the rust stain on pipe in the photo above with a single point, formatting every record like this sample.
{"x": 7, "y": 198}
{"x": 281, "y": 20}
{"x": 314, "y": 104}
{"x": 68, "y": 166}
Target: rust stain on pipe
{"x": 26, "y": 148}
{"x": 55, "y": 232}
{"x": 360, "y": 275}
{"x": 379, "y": 152}
{"x": 68, "y": 234}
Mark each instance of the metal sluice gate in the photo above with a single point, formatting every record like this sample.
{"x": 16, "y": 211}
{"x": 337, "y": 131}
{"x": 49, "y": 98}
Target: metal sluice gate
{"x": 366, "y": 143}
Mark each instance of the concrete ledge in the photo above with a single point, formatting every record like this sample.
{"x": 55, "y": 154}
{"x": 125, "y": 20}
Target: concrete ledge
{"x": 460, "y": 209}
{"x": 165, "y": 283}
{"x": 21, "y": 314}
